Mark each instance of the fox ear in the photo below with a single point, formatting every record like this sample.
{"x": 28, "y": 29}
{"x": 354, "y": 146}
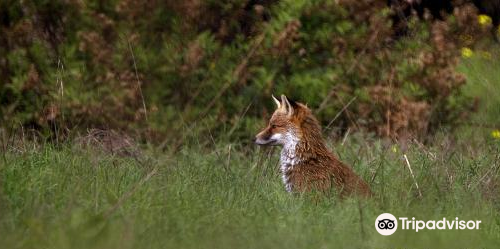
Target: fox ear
{"x": 288, "y": 107}
{"x": 278, "y": 104}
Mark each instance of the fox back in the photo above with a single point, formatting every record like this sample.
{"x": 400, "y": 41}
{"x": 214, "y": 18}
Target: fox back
{"x": 306, "y": 163}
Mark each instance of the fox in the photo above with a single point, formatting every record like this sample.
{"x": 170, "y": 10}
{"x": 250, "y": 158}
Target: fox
{"x": 306, "y": 164}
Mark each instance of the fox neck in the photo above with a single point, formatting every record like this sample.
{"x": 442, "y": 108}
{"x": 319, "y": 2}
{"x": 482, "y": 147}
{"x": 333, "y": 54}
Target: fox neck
{"x": 290, "y": 155}
{"x": 297, "y": 149}
{"x": 289, "y": 158}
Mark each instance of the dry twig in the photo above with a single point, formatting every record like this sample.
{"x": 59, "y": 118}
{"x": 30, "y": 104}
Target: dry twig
{"x": 412, "y": 175}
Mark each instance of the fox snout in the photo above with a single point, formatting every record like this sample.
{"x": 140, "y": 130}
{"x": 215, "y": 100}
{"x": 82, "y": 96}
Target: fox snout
{"x": 265, "y": 137}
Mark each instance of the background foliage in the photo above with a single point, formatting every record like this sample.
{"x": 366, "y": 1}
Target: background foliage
{"x": 155, "y": 68}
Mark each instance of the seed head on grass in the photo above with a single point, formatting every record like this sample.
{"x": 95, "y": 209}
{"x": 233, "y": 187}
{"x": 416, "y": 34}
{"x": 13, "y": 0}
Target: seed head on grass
{"x": 394, "y": 149}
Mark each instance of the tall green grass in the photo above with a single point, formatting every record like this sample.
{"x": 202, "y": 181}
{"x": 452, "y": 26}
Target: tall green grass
{"x": 232, "y": 197}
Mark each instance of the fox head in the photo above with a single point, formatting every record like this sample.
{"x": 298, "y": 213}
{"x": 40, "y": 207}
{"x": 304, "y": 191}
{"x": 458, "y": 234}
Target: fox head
{"x": 286, "y": 123}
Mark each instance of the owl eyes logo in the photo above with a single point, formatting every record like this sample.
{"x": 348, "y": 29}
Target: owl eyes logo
{"x": 386, "y": 224}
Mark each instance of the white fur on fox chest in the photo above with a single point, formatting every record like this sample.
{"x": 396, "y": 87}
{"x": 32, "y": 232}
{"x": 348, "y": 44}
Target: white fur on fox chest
{"x": 288, "y": 158}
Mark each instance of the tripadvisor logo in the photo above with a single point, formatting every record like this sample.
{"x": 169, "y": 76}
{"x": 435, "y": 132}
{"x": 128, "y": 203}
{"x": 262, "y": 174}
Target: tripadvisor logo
{"x": 387, "y": 224}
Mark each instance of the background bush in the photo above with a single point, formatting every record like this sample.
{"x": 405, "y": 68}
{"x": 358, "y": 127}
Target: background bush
{"x": 160, "y": 68}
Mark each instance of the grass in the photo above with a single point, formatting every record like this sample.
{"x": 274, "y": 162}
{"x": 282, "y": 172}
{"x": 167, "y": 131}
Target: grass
{"x": 65, "y": 198}
{"x": 483, "y": 82}
{"x": 231, "y": 195}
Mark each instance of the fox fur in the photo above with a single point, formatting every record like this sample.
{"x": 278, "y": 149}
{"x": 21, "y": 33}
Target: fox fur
{"x": 306, "y": 164}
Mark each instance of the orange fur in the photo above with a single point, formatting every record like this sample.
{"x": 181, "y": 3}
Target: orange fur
{"x": 306, "y": 162}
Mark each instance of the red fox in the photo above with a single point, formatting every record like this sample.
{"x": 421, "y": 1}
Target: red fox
{"x": 306, "y": 162}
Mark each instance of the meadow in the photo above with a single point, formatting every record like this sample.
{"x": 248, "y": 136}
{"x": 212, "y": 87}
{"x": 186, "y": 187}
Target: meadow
{"x": 222, "y": 193}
